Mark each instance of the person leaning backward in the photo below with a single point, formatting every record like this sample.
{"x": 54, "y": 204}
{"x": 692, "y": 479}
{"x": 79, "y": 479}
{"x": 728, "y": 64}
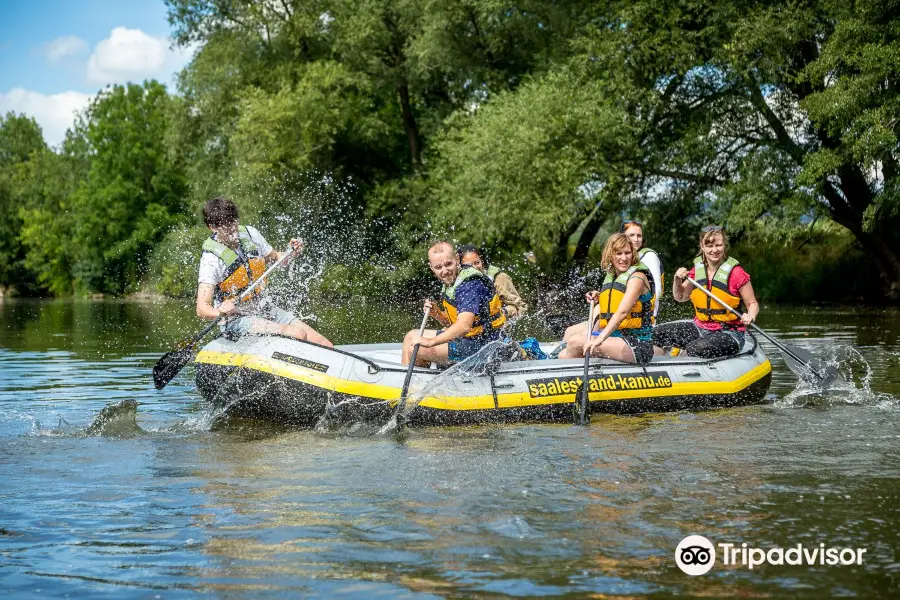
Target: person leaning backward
{"x": 715, "y": 331}
{"x": 235, "y": 256}
{"x": 472, "y": 312}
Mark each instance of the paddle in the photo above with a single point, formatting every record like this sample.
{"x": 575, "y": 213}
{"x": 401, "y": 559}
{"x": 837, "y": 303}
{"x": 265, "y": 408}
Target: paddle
{"x": 401, "y": 404}
{"x": 171, "y": 363}
{"x": 583, "y": 416}
{"x": 802, "y": 363}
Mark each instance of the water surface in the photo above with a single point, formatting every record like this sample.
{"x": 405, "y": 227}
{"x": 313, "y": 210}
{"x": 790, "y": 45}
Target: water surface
{"x": 250, "y": 511}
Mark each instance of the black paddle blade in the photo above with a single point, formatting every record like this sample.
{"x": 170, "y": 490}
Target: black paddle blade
{"x": 581, "y": 408}
{"x": 809, "y": 368}
{"x": 171, "y": 364}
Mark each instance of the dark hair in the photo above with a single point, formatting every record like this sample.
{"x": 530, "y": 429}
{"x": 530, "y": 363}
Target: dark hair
{"x": 220, "y": 211}
{"x": 464, "y": 249}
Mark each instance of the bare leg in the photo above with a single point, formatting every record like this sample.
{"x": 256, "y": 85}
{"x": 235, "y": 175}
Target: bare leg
{"x": 297, "y": 329}
{"x": 408, "y": 346}
{"x": 577, "y": 329}
{"x": 438, "y": 354}
{"x": 575, "y": 342}
{"x": 616, "y": 349}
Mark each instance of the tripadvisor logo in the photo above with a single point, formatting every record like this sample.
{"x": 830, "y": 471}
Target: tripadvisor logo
{"x": 696, "y": 555}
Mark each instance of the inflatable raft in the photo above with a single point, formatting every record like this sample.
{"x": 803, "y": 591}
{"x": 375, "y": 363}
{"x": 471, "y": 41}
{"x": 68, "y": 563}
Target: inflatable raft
{"x": 289, "y": 381}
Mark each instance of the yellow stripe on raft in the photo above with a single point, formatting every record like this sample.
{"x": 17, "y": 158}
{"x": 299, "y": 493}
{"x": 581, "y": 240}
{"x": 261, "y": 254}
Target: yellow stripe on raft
{"x": 508, "y": 400}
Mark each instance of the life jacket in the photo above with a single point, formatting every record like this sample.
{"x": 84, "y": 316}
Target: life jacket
{"x": 493, "y": 317}
{"x": 613, "y": 290}
{"x": 703, "y": 304}
{"x": 662, "y": 276}
{"x": 492, "y": 272}
{"x": 241, "y": 269}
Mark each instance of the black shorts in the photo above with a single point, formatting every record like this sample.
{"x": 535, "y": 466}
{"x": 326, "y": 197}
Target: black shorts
{"x": 642, "y": 349}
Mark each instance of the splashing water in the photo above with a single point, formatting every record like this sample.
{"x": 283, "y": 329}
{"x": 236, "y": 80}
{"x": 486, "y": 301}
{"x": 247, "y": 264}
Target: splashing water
{"x": 482, "y": 364}
{"x": 854, "y": 386}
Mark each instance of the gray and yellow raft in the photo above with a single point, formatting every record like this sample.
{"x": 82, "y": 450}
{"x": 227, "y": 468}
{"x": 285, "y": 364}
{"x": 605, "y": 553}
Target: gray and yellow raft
{"x": 289, "y": 381}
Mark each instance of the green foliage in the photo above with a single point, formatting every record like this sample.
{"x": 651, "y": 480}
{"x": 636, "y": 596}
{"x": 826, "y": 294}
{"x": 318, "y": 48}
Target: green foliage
{"x": 825, "y": 266}
{"x": 530, "y": 125}
{"x": 20, "y": 140}
{"x": 175, "y": 261}
{"x": 133, "y": 191}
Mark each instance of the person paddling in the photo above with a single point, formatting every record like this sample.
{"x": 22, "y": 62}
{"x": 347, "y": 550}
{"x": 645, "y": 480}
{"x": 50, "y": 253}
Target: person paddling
{"x": 235, "y": 256}
{"x": 625, "y": 305}
{"x": 472, "y": 310}
{"x": 714, "y": 331}
{"x": 513, "y": 304}
{"x": 634, "y": 230}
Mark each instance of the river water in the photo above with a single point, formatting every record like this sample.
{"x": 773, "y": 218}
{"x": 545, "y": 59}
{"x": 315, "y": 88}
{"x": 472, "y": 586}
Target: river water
{"x": 183, "y": 509}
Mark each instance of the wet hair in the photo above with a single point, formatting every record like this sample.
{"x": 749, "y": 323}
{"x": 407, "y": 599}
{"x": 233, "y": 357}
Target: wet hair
{"x": 616, "y": 243}
{"x": 464, "y": 249}
{"x": 707, "y": 234}
{"x": 220, "y": 211}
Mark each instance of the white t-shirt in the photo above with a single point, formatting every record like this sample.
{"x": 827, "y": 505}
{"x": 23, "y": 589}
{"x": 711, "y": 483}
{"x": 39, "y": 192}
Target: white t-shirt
{"x": 651, "y": 259}
{"x": 212, "y": 268}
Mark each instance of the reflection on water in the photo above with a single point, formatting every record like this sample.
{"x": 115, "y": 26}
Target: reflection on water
{"x": 516, "y": 510}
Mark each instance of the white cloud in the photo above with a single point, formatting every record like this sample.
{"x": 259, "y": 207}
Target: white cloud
{"x": 54, "y": 113}
{"x": 64, "y": 47}
{"x": 132, "y": 55}
{"x": 126, "y": 55}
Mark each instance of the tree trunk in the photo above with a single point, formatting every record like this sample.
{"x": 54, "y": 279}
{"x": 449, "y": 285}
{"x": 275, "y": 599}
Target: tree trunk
{"x": 409, "y": 121}
{"x": 879, "y": 246}
{"x": 591, "y": 227}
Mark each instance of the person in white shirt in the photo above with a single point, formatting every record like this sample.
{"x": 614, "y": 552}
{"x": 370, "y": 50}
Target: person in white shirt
{"x": 233, "y": 258}
{"x": 634, "y": 230}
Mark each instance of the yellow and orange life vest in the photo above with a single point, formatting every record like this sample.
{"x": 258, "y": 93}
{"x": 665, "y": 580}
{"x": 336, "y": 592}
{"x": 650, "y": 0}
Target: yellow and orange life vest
{"x": 705, "y": 309}
{"x": 241, "y": 269}
{"x": 613, "y": 291}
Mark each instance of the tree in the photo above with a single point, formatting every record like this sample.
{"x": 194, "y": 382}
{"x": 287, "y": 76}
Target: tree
{"x": 779, "y": 110}
{"x": 133, "y": 190}
{"x": 20, "y": 141}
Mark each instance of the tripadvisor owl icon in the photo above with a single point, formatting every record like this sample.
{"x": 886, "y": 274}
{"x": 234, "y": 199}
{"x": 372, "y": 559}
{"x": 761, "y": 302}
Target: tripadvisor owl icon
{"x": 695, "y": 555}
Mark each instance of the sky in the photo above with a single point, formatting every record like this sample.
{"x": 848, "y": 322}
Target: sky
{"x": 55, "y": 55}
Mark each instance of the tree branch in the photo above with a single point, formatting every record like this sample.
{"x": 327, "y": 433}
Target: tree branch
{"x": 781, "y": 134}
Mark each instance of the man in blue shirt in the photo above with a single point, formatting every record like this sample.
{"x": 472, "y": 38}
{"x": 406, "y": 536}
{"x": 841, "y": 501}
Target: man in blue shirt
{"x": 472, "y": 312}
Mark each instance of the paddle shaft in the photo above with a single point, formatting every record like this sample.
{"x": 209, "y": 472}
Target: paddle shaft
{"x": 401, "y": 405}
{"x": 585, "y": 387}
{"x": 777, "y": 344}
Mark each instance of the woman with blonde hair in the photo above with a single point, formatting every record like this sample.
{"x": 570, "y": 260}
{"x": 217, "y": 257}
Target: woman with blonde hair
{"x": 715, "y": 331}
{"x": 625, "y": 304}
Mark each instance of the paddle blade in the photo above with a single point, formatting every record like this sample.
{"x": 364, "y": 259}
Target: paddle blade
{"x": 581, "y": 412}
{"x": 807, "y": 367}
{"x": 171, "y": 364}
